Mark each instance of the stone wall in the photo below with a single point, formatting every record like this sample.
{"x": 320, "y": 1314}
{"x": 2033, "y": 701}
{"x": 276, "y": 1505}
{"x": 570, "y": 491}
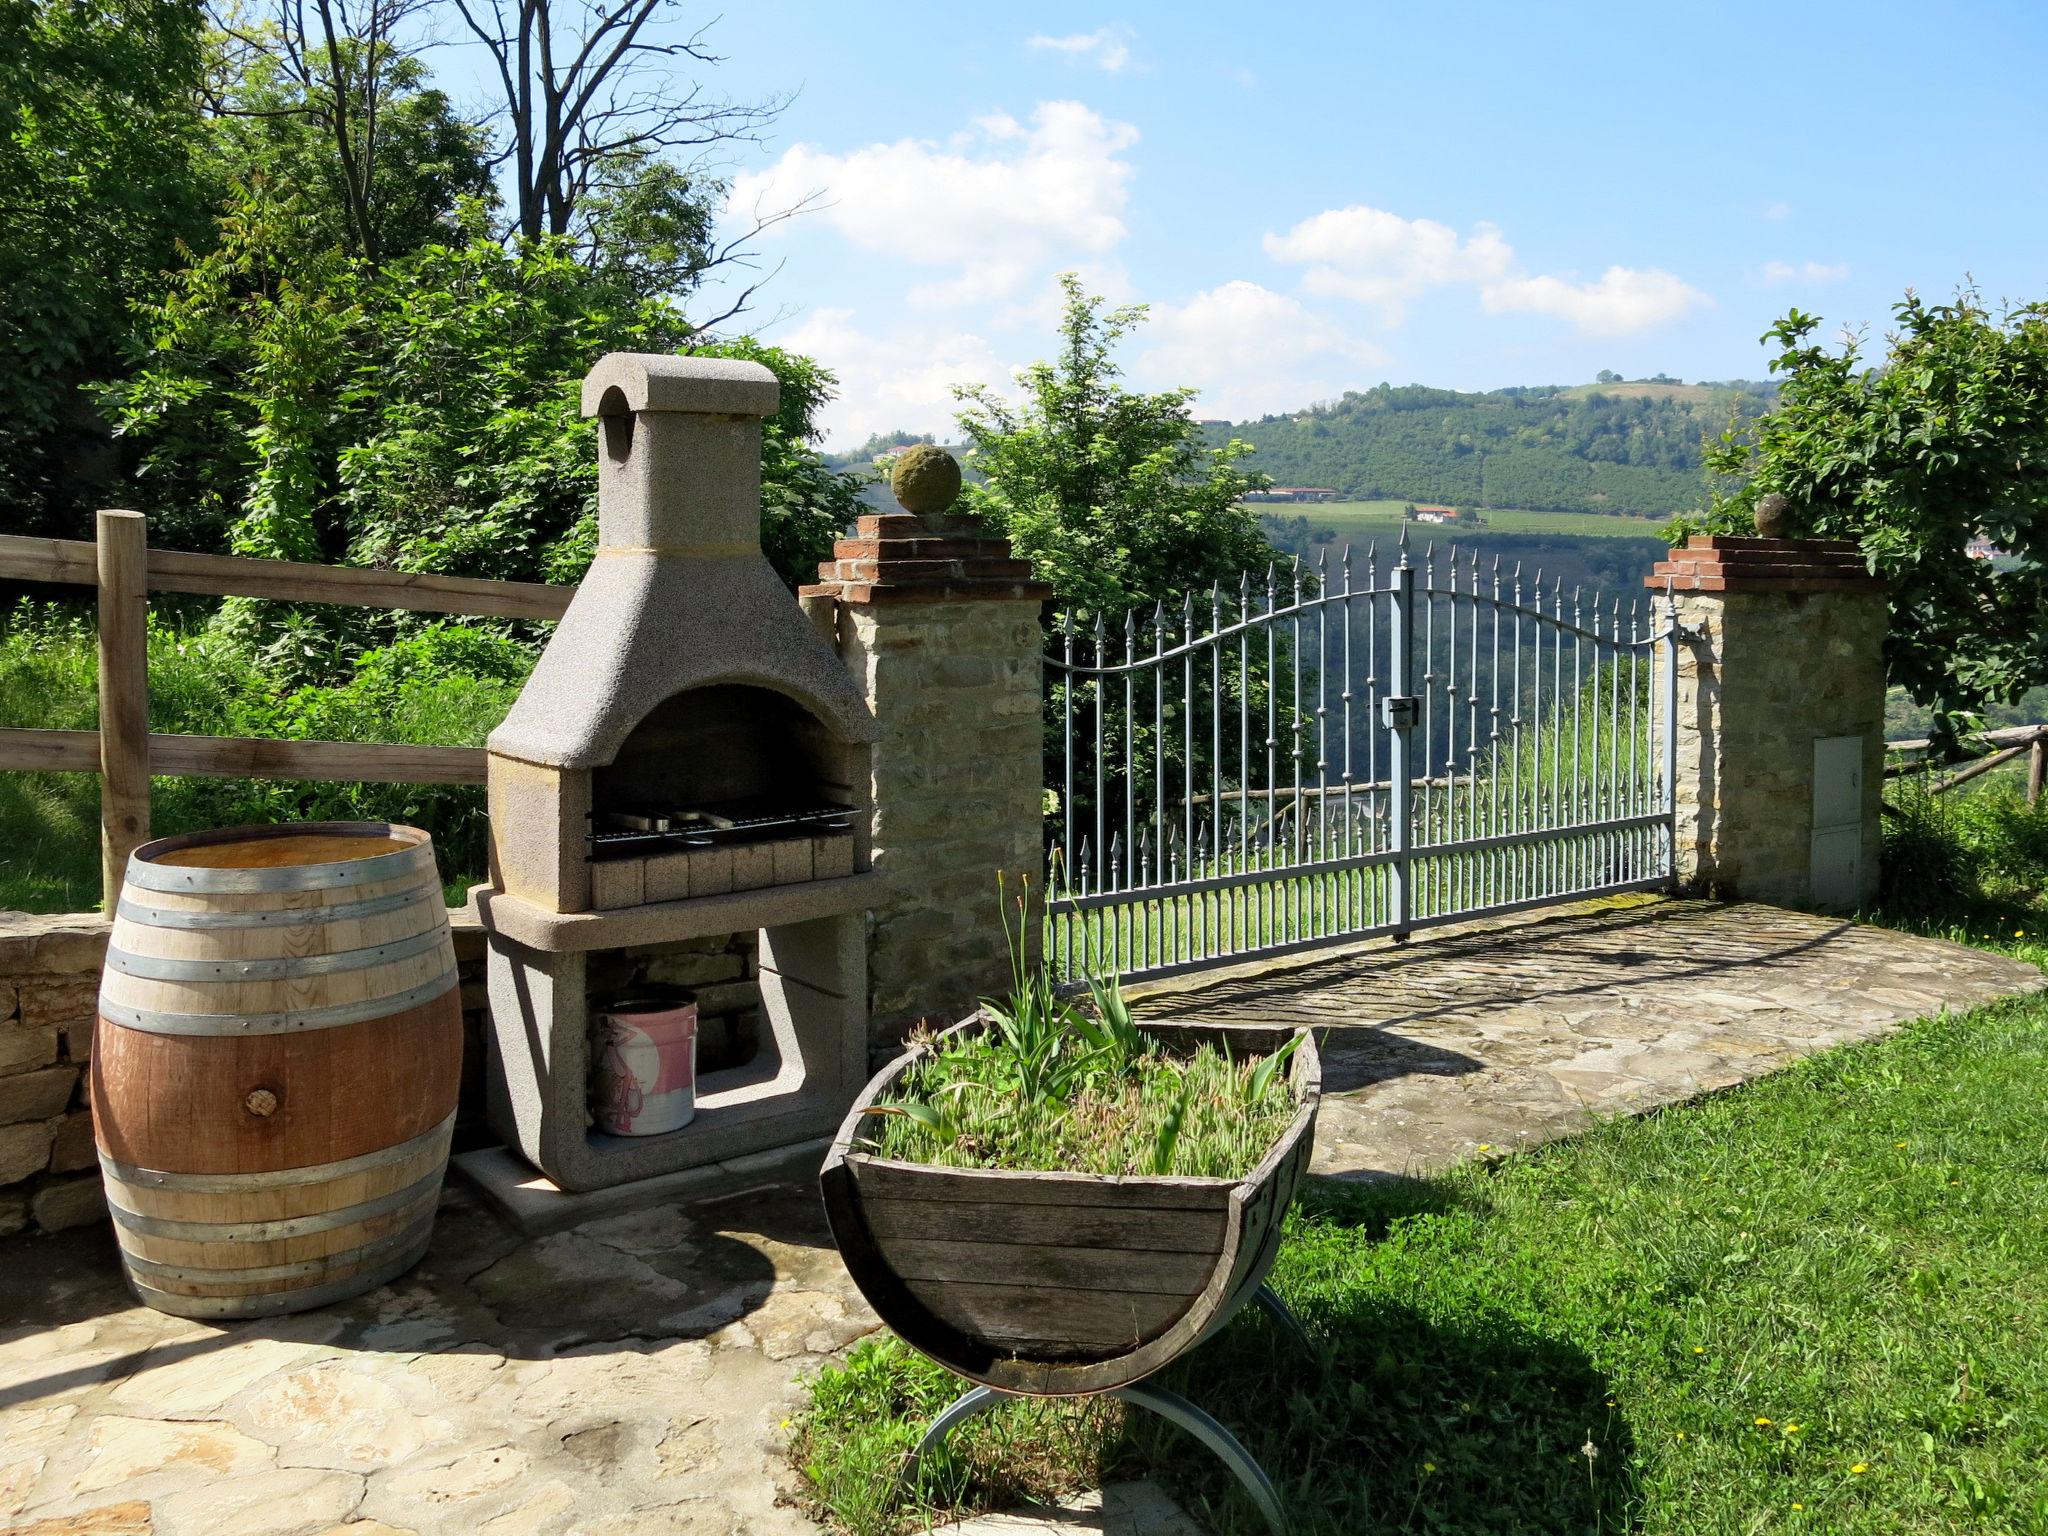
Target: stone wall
{"x": 1781, "y": 645}
{"x": 49, "y": 983}
{"x": 959, "y": 788}
{"x": 939, "y": 626}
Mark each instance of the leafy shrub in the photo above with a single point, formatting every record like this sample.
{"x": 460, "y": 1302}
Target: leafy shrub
{"x": 1049, "y": 1085}
{"x": 1970, "y": 853}
{"x": 448, "y": 685}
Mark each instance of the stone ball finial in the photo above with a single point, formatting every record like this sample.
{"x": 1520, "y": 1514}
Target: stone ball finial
{"x": 1773, "y": 517}
{"x": 926, "y": 480}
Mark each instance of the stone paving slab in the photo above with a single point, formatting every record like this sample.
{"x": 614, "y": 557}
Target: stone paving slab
{"x": 1475, "y": 1041}
{"x": 627, "y": 1378}
{"x": 631, "y": 1375}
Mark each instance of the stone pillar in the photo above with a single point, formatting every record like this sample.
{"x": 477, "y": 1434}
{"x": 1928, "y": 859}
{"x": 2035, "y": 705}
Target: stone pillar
{"x": 940, "y": 627}
{"x": 1780, "y": 719}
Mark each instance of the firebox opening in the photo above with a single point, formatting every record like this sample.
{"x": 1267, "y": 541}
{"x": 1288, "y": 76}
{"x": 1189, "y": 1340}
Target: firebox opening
{"x": 711, "y": 746}
{"x": 720, "y": 789}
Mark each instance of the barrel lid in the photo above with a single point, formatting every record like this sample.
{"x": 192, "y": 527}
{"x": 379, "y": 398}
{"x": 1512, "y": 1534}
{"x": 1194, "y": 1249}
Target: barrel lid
{"x": 302, "y": 856}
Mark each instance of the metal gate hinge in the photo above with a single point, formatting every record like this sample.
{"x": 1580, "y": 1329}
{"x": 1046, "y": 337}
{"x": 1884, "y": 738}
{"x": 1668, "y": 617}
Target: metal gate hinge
{"x": 1401, "y": 711}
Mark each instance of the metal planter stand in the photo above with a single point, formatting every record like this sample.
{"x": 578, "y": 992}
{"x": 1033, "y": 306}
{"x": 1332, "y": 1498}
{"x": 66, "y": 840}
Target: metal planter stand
{"x": 1170, "y": 1406}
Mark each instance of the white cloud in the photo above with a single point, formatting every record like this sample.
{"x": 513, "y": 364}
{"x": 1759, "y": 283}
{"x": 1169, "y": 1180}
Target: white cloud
{"x": 900, "y": 380}
{"x": 1380, "y": 258}
{"x": 1778, "y": 211}
{"x": 1249, "y": 350}
{"x": 1624, "y": 300}
{"x": 1107, "y": 48}
{"x": 1000, "y": 205}
{"x": 1805, "y": 271}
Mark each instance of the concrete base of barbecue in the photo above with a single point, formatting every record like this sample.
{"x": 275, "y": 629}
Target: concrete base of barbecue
{"x": 536, "y": 1205}
{"x": 814, "y": 1004}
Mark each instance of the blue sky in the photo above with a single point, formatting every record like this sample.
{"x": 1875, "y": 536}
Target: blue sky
{"x": 1315, "y": 196}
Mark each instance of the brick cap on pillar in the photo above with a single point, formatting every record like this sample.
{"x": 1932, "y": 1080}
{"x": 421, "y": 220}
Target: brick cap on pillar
{"x": 1717, "y": 563}
{"x": 895, "y": 557}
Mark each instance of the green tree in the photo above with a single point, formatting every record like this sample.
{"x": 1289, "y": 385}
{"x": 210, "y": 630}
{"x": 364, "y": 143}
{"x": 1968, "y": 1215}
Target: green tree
{"x": 1114, "y": 496}
{"x": 97, "y": 128}
{"x": 418, "y": 415}
{"x": 374, "y": 159}
{"x": 1946, "y": 438}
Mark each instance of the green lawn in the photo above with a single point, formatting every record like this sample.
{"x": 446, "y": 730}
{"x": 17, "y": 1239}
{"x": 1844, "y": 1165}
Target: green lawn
{"x": 1383, "y": 519}
{"x": 1817, "y": 1303}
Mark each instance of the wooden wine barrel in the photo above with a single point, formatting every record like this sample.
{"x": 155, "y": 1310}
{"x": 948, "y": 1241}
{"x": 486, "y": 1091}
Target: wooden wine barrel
{"x": 274, "y": 1073}
{"x": 1063, "y": 1284}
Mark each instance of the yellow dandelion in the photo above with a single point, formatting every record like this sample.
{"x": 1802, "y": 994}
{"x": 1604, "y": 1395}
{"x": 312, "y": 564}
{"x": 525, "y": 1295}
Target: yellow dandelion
{"x": 1681, "y": 1434}
{"x": 1791, "y": 1429}
{"x": 1859, "y": 1469}
{"x": 1486, "y": 1146}
{"x": 1798, "y": 1506}
{"x": 1699, "y": 1349}
{"x": 1763, "y": 1423}
{"x": 1429, "y": 1466}
{"x": 1899, "y": 1144}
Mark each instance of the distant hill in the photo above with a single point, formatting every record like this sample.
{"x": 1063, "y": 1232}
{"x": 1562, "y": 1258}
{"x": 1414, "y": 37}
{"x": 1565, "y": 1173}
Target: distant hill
{"x": 1611, "y": 447}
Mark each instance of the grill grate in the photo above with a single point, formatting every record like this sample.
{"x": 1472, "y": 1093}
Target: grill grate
{"x": 637, "y": 830}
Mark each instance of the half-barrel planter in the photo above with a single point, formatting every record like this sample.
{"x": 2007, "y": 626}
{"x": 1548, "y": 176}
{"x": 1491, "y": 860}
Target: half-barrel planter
{"x": 275, "y": 1069}
{"x": 1055, "y": 1284}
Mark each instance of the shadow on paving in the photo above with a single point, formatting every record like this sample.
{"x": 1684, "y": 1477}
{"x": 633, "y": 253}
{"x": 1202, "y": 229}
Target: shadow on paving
{"x": 1407, "y": 1422}
{"x": 1581, "y": 953}
{"x": 660, "y": 1275}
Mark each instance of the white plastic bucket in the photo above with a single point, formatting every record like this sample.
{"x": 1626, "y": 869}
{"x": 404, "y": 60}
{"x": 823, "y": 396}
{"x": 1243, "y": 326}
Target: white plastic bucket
{"x": 645, "y": 1078}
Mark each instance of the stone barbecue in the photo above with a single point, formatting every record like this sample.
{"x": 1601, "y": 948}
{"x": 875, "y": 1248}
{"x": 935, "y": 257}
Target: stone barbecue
{"x": 691, "y": 757}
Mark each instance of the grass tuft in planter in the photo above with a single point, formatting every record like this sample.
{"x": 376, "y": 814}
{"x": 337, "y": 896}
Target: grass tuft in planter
{"x": 1047, "y": 1084}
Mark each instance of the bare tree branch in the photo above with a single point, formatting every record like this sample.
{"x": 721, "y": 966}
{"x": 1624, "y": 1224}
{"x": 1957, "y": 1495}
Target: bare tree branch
{"x": 583, "y": 89}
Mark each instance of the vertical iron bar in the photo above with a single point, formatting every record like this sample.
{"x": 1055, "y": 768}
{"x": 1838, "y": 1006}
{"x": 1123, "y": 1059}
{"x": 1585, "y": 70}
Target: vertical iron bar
{"x": 1101, "y": 800}
{"x": 1133, "y": 871}
{"x": 1669, "y": 806}
{"x": 1294, "y": 836}
{"x": 1272, "y": 742}
{"x": 1492, "y": 891}
{"x": 1468, "y": 867}
{"x": 1575, "y": 874}
{"x": 1400, "y": 622}
{"x": 1346, "y": 907}
{"x": 1067, "y": 798}
{"x": 1321, "y": 726}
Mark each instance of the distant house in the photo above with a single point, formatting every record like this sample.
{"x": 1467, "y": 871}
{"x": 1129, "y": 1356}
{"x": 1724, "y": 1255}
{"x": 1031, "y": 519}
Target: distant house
{"x": 1435, "y": 514}
{"x": 1981, "y": 548}
{"x": 1295, "y": 493}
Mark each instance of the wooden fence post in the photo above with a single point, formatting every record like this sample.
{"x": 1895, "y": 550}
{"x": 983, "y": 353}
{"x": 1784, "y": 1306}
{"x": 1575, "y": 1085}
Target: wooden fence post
{"x": 2037, "y": 767}
{"x": 124, "y": 693}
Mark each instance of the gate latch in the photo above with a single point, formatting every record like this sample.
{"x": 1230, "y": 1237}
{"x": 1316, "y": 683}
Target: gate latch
{"x": 1401, "y": 712}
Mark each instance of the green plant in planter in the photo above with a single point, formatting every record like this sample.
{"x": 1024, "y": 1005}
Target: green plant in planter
{"x": 1049, "y": 1084}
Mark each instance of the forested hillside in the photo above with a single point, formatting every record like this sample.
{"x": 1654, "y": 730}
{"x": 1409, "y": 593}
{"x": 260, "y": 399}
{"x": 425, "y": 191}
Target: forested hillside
{"x": 1620, "y": 448}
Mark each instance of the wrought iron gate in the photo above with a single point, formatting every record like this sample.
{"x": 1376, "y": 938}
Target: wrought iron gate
{"x": 1365, "y": 749}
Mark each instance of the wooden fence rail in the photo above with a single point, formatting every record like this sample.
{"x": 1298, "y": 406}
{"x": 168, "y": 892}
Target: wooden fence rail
{"x": 1992, "y": 749}
{"x": 126, "y": 753}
